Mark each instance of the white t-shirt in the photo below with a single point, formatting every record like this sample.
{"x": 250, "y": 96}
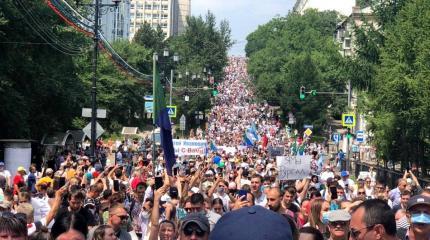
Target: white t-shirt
{"x": 41, "y": 207}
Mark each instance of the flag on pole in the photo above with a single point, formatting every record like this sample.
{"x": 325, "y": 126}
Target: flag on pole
{"x": 162, "y": 120}
{"x": 247, "y": 141}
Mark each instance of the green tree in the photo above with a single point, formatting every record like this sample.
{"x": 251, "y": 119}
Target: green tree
{"x": 293, "y": 51}
{"x": 38, "y": 87}
{"x": 401, "y": 103}
{"x": 149, "y": 37}
{"x": 202, "y": 45}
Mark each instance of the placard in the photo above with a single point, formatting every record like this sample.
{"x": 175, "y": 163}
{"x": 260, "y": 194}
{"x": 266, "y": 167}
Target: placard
{"x": 275, "y": 151}
{"x": 185, "y": 147}
{"x": 293, "y": 167}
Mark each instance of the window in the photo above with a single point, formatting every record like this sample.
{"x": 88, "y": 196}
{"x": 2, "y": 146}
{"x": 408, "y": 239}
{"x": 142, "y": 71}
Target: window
{"x": 148, "y": 15}
{"x": 155, "y": 15}
{"x": 139, "y": 6}
{"x": 165, "y": 7}
{"x": 131, "y": 15}
{"x": 132, "y": 6}
{"x": 148, "y": 7}
{"x": 139, "y": 15}
{"x": 156, "y": 7}
{"x": 164, "y": 16}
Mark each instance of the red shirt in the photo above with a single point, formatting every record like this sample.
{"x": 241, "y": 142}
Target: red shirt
{"x": 18, "y": 180}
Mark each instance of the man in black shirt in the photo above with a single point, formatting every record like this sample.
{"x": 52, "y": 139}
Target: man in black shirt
{"x": 75, "y": 205}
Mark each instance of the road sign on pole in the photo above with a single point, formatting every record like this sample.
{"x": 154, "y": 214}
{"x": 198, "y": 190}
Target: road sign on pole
{"x": 308, "y": 132}
{"x": 101, "y": 113}
{"x": 359, "y": 136}
{"x": 336, "y": 137}
{"x": 348, "y": 120}
{"x": 99, "y": 130}
{"x": 172, "y": 111}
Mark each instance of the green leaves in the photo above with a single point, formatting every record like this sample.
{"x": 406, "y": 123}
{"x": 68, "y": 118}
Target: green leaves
{"x": 400, "y": 102}
{"x": 294, "y": 51}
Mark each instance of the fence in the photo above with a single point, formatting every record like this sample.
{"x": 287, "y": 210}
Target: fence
{"x": 388, "y": 175}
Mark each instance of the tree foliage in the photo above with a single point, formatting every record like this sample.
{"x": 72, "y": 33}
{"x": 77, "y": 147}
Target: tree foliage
{"x": 46, "y": 70}
{"x": 400, "y": 103}
{"x": 202, "y": 45}
{"x": 293, "y": 51}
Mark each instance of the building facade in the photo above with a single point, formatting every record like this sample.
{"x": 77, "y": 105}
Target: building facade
{"x": 115, "y": 22}
{"x": 169, "y": 14}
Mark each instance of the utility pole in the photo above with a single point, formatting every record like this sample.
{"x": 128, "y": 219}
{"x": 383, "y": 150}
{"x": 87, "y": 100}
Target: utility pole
{"x": 96, "y": 38}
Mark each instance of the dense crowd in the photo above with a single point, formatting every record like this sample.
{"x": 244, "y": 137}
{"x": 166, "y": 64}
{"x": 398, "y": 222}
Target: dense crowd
{"x": 222, "y": 195}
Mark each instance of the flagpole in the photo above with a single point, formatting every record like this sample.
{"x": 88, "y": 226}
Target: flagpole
{"x": 154, "y": 66}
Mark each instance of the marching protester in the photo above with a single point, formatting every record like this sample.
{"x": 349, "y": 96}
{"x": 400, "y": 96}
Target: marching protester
{"x": 253, "y": 180}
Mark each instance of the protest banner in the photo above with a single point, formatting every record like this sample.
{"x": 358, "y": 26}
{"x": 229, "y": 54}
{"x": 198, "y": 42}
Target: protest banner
{"x": 185, "y": 147}
{"x": 228, "y": 150}
{"x": 293, "y": 167}
{"x": 275, "y": 151}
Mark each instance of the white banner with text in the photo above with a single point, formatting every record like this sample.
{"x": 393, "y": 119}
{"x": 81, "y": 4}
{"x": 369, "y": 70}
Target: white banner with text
{"x": 293, "y": 167}
{"x": 185, "y": 147}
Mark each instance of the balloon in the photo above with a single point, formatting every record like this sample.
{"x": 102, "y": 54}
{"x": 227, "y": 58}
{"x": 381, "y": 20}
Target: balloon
{"x": 221, "y": 164}
{"x": 216, "y": 159}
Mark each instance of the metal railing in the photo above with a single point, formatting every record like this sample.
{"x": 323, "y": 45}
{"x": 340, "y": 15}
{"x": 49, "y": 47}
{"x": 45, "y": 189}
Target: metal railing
{"x": 389, "y": 176}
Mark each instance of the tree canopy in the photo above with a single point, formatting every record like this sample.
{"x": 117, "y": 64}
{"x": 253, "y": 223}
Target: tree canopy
{"x": 294, "y": 51}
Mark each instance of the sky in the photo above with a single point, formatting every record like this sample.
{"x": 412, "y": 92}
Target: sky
{"x": 244, "y": 16}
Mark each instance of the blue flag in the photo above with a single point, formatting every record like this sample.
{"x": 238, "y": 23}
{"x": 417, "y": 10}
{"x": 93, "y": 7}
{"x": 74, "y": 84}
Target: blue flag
{"x": 162, "y": 120}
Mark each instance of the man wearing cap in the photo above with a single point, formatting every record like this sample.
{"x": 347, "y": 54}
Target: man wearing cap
{"x": 347, "y": 184}
{"x": 18, "y": 180}
{"x": 46, "y": 180}
{"x": 419, "y": 215}
{"x": 338, "y": 224}
{"x": 195, "y": 226}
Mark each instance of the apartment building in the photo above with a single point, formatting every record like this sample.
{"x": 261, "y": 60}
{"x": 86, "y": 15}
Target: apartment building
{"x": 115, "y": 22}
{"x": 169, "y": 14}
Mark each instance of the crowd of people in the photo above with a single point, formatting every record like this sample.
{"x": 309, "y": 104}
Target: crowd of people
{"x": 221, "y": 196}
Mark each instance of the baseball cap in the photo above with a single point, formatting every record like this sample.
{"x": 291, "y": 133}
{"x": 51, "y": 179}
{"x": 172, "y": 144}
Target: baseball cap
{"x": 344, "y": 174}
{"x": 418, "y": 200}
{"x": 197, "y": 218}
{"x": 338, "y": 215}
{"x": 272, "y": 225}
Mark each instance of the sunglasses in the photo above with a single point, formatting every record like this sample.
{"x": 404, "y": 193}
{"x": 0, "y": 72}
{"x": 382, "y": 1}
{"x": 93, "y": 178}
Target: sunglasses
{"x": 123, "y": 217}
{"x": 338, "y": 223}
{"x": 189, "y": 230}
{"x": 361, "y": 193}
{"x": 356, "y": 233}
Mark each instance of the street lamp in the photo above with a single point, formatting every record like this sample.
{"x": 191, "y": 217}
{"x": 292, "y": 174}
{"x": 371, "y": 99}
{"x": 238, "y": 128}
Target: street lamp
{"x": 97, "y": 5}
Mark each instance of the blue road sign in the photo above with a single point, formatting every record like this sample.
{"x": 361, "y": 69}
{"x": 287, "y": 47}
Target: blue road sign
{"x": 171, "y": 110}
{"x": 348, "y": 120}
{"x": 359, "y": 136}
{"x": 308, "y": 126}
{"x": 336, "y": 137}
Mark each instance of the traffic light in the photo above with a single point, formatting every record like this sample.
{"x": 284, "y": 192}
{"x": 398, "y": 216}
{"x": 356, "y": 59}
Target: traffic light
{"x": 348, "y": 134}
{"x": 302, "y": 93}
{"x": 313, "y": 92}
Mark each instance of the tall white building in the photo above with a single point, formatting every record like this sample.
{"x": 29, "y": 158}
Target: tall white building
{"x": 169, "y": 14}
{"x": 344, "y": 7}
{"x": 115, "y": 22}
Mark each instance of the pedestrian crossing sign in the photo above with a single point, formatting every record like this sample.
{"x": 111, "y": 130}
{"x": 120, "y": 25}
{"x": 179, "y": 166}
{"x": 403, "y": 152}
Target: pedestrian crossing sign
{"x": 348, "y": 120}
{"x": 172, "y": 111}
